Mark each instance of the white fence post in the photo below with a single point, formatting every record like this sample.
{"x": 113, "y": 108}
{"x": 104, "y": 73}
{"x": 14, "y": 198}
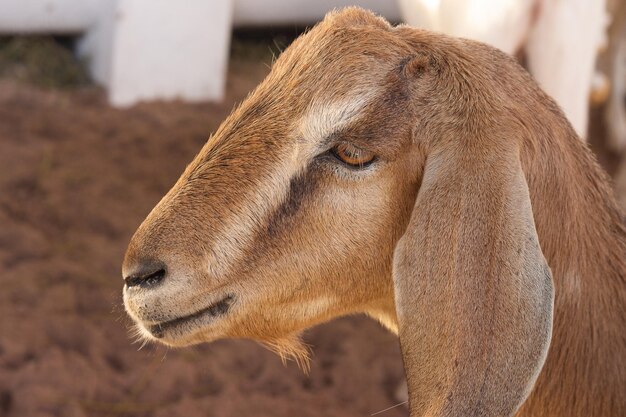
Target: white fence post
{"x": 163, "y": 49}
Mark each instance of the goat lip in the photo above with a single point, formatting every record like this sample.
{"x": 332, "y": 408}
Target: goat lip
{"x": 216, "y": 309}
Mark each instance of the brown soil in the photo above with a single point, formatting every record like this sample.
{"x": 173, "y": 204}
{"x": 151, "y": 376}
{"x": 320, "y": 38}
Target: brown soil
{"x": 76, "y": 179}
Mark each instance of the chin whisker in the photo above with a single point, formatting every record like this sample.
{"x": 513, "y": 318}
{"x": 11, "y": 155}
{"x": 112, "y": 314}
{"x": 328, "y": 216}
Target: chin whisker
{"x": 291, "y": 348}
{"x": 140, "y": 335}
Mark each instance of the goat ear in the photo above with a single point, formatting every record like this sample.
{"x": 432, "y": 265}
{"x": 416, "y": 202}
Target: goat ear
{"x": 474, "y": 294}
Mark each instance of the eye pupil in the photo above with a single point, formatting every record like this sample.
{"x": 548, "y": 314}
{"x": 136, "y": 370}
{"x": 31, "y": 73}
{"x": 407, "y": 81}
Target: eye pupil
{"x": 352, "y": 156}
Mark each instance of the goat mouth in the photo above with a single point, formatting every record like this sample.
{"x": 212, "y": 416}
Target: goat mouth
{"x": 217, "y": 309}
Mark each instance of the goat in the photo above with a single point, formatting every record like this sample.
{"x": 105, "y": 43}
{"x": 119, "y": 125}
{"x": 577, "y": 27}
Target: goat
{"x": 421, "y": 179}
{"x": 615, "y": 115}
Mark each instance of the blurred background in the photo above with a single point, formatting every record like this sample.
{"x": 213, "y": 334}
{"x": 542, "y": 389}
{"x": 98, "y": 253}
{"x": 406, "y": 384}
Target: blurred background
{"x": 104, "y": 102}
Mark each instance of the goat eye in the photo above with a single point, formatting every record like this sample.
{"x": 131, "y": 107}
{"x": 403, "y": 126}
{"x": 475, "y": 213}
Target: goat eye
{"x": 352, "y": 156}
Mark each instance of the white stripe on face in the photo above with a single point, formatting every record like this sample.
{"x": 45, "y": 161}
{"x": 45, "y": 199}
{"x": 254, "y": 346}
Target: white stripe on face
{"x": 323, "y": 119}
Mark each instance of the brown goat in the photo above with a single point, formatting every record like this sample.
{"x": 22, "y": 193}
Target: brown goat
{"x": 417, "y": 178}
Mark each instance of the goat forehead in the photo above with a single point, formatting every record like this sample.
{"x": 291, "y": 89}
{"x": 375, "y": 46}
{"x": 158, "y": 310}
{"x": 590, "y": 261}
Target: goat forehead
{"x": 328, "y": 64}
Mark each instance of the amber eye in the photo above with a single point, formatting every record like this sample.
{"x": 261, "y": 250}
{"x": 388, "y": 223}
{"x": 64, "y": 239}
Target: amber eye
{"x": 352, "y": 156}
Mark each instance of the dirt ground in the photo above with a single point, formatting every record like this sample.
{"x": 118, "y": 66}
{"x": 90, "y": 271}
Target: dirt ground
{"x": 76, "y": 179}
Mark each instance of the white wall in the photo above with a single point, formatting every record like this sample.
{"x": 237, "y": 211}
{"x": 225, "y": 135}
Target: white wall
{"x": 48, "y": 16}
{"x": 285, "y": 12}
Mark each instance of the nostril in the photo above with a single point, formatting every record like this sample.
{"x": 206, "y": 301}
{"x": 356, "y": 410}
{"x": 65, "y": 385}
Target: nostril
{"x": 145, "y": 278}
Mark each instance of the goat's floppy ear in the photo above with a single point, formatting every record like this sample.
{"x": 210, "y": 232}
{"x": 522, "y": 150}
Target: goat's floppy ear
{"x": 474, "y": 294}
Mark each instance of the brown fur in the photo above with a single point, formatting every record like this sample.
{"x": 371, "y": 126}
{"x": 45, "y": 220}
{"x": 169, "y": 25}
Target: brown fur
{"x": 465, "y": 143}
